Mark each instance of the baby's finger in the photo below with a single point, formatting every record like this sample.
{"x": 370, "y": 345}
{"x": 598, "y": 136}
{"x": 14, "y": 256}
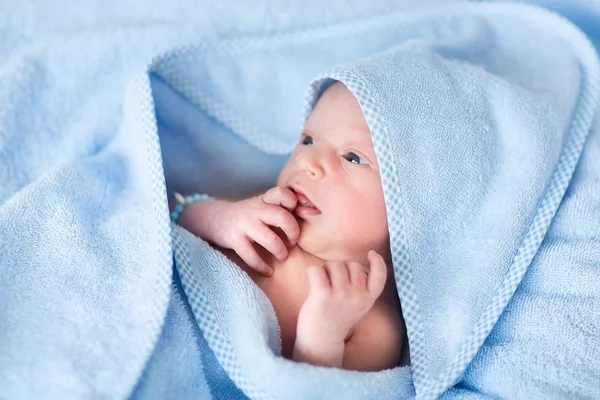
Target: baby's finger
{"x": 268, "y": 239}
{"x": 338, "y": 274}
{"x": 281, "y": 196}
{"x": 247, "y": 253}
{"x": 317, "y": 278}
{"x": 281, "y": 218}
{"x": 377, "y": 274}
{"x": 358, "y": 275}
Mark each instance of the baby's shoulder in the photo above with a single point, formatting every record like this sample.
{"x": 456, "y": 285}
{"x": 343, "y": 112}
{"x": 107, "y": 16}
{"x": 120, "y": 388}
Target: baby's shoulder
{"x": 385, "y": 318}
{"x": 377, "y": 340}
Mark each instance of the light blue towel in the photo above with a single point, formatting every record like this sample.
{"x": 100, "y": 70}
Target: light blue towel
{"x": 477, "y": 138}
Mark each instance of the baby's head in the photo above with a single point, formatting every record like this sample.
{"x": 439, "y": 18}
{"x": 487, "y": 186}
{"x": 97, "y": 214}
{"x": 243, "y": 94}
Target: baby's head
{"x": 335, "y": 168}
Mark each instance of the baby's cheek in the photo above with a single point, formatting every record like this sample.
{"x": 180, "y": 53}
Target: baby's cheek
{"x": 282, "y": 178}
{"x": 368, "y": 228}
{"x": 359, "y": 225}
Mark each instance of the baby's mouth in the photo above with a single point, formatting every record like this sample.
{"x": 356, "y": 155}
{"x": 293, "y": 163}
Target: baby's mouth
{"x": 303, "y": 201}
{"x": 305, "y": 207}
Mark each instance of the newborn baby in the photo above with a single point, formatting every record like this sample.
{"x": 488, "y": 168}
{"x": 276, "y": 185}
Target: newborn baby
{"x": 317, "y": 244}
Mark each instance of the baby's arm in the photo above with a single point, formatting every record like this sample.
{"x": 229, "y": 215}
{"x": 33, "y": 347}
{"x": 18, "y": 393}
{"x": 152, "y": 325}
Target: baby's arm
{"x": 340, "y": 295}
{"x": 198, "y": 218}
{"x": 376, "y": 344}
{"x": 238, "y": 225}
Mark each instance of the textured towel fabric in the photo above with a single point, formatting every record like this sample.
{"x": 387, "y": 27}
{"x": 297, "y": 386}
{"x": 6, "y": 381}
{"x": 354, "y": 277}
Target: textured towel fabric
{"x": 478, "y": 141}
{"x": 478, "y": 138}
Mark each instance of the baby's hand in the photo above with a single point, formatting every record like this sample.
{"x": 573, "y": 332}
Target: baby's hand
{"x": 340, "y": 295}
{"x": 239, "y": 224}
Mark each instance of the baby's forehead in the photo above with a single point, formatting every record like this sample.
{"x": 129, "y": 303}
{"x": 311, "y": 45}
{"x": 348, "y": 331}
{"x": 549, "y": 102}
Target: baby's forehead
{"x": 337, "y": 114}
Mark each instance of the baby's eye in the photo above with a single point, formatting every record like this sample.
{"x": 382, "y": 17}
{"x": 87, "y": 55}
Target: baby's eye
{"x": 354, "y": 158}
{"x": 307, "y": 140}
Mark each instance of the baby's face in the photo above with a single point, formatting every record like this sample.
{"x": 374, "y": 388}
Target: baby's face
{"x": 334, "y": 166}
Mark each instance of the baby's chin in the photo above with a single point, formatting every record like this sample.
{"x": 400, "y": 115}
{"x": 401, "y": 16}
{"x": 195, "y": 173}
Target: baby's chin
{"x": 320, "y": 245}
{"x": 308, "y": 240}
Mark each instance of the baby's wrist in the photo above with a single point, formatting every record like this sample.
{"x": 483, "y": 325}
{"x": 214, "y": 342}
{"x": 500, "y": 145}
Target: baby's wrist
{"x": 198, "y": 217}
{"x": 326, "y": 352}
{"x": 323, "y": 333}
{"x": 313, "y": 322}
{"x": 179, "y": 203}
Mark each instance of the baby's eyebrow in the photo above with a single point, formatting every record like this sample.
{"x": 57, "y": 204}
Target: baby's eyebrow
{"x": 307, "y": 133}
{"x": 364, "y": 145}
{"x": 363, "y": 142}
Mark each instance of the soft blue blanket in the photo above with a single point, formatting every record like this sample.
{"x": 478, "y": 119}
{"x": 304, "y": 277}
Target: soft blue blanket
{"x": 494, "y": 223}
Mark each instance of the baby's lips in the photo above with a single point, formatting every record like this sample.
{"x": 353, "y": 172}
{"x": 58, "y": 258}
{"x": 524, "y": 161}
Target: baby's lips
{"x": 304, "y": 201}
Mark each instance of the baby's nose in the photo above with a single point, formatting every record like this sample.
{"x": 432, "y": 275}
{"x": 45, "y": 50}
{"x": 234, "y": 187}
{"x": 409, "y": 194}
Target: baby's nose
{"x": 310, "y": 162}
